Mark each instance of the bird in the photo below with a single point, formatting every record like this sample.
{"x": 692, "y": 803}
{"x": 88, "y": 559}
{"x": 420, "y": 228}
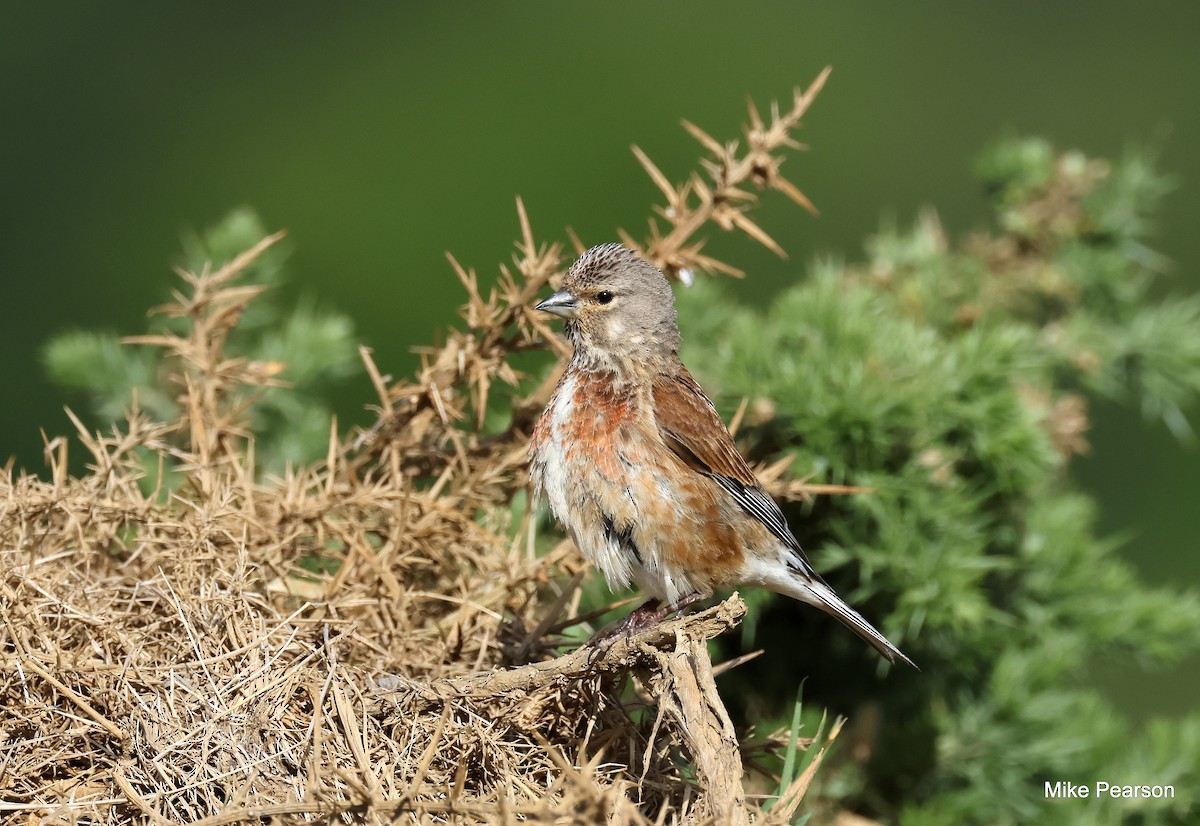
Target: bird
{"x": 638, "y": 466}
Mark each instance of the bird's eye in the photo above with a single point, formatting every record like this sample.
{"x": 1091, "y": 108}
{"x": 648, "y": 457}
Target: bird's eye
{"x": 604, "y": 297}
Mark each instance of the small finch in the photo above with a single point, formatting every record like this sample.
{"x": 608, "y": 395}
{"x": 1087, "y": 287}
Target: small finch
{"x": 638, "y": 466}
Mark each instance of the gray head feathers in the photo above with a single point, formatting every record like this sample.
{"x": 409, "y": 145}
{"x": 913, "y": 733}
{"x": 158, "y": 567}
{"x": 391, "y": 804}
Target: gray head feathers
{"x": 623, "y": 307}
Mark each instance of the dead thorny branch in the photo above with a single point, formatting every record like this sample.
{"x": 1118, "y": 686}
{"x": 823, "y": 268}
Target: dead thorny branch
{"x": 207, "y": 651}
{"x": 722, "y": 199}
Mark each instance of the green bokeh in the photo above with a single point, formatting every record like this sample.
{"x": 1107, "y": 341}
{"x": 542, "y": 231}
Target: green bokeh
{"x": 383, "y": 135}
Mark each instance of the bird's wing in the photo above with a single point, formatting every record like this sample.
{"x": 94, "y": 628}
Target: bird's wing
{"x": 693, "y": 429}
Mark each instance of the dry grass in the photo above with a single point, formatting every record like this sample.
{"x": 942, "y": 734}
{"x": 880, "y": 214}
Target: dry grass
{"x": 369, "y": 639}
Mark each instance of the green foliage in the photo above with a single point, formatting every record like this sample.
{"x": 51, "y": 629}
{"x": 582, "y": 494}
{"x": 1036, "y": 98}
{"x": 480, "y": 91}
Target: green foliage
{"x": 316, "y": 347}
{"x": 948, "y": 380}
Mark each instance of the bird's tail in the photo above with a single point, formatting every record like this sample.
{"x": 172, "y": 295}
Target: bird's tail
{"x": 822, "y": 596}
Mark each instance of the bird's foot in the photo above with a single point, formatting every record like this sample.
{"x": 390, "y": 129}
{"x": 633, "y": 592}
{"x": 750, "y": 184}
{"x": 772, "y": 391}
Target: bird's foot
{"x": 647, "y": 615}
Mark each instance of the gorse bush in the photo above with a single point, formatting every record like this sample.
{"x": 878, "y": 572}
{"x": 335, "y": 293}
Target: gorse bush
{"x": 948, "y": 381}
{"x": 944, "y": 386}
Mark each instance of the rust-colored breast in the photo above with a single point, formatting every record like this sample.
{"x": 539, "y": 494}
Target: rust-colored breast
{"x": 608, "y": 465}
{"x": 602, "y": 415}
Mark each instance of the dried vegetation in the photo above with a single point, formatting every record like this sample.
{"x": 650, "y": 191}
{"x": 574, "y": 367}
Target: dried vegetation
{"x": 370, "y": 639}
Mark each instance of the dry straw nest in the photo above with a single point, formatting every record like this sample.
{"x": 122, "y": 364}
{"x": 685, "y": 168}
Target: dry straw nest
{"x": 171, "y": 656}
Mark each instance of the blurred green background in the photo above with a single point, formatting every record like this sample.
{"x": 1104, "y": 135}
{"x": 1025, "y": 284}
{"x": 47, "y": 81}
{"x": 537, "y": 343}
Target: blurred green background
{"x": 382, "y": 135}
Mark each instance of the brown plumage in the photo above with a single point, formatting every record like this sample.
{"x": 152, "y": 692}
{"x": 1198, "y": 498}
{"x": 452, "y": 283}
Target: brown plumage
{"x": 638, "y": 466}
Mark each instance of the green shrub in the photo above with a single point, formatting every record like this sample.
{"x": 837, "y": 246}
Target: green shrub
{"x": 949, "y": 380}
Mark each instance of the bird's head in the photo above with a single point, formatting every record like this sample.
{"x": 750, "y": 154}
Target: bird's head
{"x": 619, "y": 309}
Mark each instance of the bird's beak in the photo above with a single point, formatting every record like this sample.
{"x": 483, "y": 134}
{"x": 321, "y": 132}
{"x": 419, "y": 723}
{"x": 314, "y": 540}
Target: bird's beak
{"x": 562, "y": 303}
